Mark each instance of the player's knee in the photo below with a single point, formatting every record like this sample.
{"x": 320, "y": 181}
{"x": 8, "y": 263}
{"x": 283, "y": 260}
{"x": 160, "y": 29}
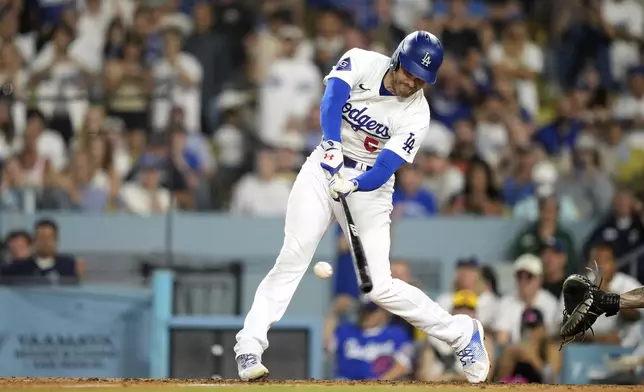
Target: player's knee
{"x": 381, "y": 290}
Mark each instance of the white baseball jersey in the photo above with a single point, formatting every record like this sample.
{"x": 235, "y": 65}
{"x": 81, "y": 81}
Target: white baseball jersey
{"x": 373, "y": 121}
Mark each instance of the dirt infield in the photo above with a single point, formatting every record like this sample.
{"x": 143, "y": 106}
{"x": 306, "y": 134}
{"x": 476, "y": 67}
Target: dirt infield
{"x": 149, "y": 384}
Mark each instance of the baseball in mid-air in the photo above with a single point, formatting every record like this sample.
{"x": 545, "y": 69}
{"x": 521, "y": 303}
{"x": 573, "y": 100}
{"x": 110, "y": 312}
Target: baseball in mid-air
{"x": 323, "y": 270}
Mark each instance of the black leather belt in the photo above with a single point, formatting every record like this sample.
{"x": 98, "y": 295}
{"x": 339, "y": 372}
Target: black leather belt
{"x": 353, "y": 164}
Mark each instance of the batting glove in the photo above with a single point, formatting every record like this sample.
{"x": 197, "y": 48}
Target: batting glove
{"x": 341, "y": 186}
{"x": 332, "y": 160}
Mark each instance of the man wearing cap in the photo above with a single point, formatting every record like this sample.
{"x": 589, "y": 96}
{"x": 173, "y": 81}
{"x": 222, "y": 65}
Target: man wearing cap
{"x": 554, "y": 259}
{"x": 146, "y": 196}
{"x": 292, "y": 87}
{"x": 535, "y": 359}
{"x": 437, "y": 361}
{"x": 372, "y": 348}
{"x": 529, "y": 293}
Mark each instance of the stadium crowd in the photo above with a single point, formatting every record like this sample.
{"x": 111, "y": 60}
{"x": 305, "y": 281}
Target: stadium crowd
{"x": 143, "y": 106}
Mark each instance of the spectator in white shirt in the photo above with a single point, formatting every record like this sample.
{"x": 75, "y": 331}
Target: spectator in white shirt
{"x": 442, "y": 178}
{"x": 178, "y": 84}
{"x": 626, "y": 17}
{"x": 50, "y": 145}
{"x": 61, "y": 77}
{"x": 146, "y": 196}
{"x": 630, "y": 106}
{"x": 469, "y": 278}
{"x": 529, "y": 294}
{"x": 264, "y": 192}
{"x": 521, "y": 60}
{"x": 292, "y": 87}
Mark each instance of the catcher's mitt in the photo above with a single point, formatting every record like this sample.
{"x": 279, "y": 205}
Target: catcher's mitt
{"x": 584, "y": 302}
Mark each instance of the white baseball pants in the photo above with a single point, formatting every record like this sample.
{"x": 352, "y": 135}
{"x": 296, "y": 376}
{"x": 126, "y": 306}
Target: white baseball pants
{"x": 310, "y": 211}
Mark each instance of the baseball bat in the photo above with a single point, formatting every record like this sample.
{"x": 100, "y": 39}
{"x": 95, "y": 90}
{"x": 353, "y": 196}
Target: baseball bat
{"x": 357, "y": 251}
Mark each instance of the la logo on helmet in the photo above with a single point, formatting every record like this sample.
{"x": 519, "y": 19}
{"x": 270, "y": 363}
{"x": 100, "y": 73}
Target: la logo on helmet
{"x": 426, "y": 60}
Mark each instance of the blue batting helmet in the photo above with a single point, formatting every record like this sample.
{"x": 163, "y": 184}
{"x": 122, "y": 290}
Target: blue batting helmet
{"x": 420, "y": 54}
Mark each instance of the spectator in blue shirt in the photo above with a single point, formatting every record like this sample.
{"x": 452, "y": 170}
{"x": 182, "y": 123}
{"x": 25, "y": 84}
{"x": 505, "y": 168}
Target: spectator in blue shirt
{"x": 519, "y": 185}
{"x": 372, "y": 348}
{"x": 560, "y": 135}
{"x": 410, "y": 199}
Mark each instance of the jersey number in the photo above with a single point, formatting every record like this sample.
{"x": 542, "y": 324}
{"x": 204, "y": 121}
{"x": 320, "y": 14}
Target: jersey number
{"x": 370, "y": 144}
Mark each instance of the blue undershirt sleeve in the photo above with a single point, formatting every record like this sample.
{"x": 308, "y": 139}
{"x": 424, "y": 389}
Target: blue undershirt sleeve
{"x": 335, "y": 96}
{"x": 386, "y": 165}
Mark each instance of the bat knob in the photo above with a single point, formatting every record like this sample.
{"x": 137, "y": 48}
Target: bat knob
{"x": 366, "y": 287}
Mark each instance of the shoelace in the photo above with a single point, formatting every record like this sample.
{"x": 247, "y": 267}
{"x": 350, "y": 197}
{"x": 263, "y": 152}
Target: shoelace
{"x": 248, "y": 360}
{"x": 466, "y": 356}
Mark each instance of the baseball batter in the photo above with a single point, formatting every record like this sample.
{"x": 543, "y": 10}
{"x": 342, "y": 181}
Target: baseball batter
{"x": 374, "y": 117}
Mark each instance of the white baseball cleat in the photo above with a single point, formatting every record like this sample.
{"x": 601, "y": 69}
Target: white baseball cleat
{"x": 474, "y": 357}
{"x": 250, "y": 367}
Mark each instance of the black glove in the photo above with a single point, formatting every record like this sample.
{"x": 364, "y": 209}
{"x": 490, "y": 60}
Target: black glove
{"x": 584, "y": 302}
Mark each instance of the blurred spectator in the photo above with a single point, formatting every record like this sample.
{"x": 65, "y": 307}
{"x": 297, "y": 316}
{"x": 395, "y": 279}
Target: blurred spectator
{"x": 519, "y": 186}
{"x": 47, "y": 265}
{"x": 533, "y": 238}
{"x": 231, "y": 139}
{"x": 585, "y": 35}
{"x": 520, "y": 60}
{"x": 626, "y": 20}
{"x": 544, "y": 177}
{"x": 17, "y": 246}
{"x": 266, "y": 45}
{"x": 8, "y": 135}
{"x": 492, "y": 130}
{"x": 329, "y": 39}
{"x": 371, "y": 348}
{"x": 535, "y": 359}
{"x": 211, "y": 50}
{"x": 410, "y": 198}
{"x": 623, "y": 230}
{"x": 627, "y": 108}
{"x": 74, "y": 189}
{"x": 480, "y": 196}
{"x": 115, "y": 41}
{"x": 529, "y": 294}
{"x": 437, "y": 359}
{"x": 459, "y": 35}
{"x": 555, "y": 262}
{"x": 128, "y": 84}
{"x": 14, "y": 88}
{"x": 47, "y": 143}
{"x": 621, "y": 159}
{"x": 464, "y": 150}
{"x": 441, "y": 177}
{"x": 61, "y": 77}
{"x": 288, "y": 76}
{"x": 15, "y": 194}
{"x": 146, "y": 196}
{"x": 469, "y": 278}
{"x": 178, "y": 77}
{"x": 261, "y": 193}
{"x": 448, "y": 99}
{"x": 590, "y": 188}
{"x": 624, "y": 328}
{"x": 559, "y": 136}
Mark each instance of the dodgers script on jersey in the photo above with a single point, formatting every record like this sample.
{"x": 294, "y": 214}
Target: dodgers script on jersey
{"x": 372, "y": 119}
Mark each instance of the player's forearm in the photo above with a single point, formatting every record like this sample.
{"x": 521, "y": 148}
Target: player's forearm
{"x": 633, "y": 299}
{"x": 386, "y": 165}
{"x": 335, "y": 96}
